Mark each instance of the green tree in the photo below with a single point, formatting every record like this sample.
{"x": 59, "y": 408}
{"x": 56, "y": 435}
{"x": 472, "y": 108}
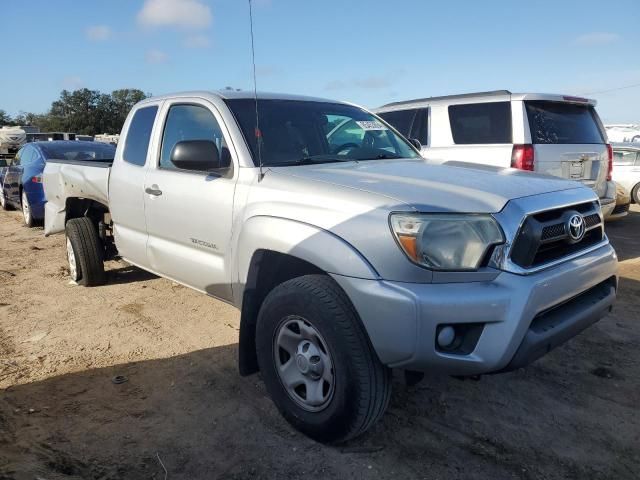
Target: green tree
{"x": 83, "y": 111}
{"x": 5, "y": 118}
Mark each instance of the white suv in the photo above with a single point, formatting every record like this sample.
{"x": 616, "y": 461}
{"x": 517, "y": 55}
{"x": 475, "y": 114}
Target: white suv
{"x": 554, "y": 134}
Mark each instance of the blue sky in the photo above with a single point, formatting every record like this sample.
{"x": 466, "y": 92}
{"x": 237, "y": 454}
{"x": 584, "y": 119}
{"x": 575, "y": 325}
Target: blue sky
{"x": 367, "y": 51}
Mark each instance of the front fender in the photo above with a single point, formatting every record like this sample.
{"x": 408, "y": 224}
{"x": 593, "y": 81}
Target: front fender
{"x": 319, "y": 247}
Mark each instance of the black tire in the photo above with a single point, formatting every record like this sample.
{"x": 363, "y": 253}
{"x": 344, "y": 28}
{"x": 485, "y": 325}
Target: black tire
{"x": 362, "y": 385}
{"x": 635, "y": 194}
{"x": 88, "y": 250}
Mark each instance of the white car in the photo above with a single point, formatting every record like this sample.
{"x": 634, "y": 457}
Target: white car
{"x": 626, "y": 171}
{"x": 554, "y": 134}
{"x": 623, "y": 133}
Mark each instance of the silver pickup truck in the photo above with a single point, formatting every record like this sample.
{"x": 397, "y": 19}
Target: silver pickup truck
{"x": 346, "y": 253}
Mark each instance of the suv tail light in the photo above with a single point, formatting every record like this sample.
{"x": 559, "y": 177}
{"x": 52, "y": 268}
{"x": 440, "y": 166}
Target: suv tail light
{"x": 610, "y": 164}
{"x": 522, "y": 157}
{"x": 37, "y": 179}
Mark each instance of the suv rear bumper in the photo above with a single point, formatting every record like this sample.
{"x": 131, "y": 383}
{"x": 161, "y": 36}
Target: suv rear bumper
{"x": 510, "y": 321}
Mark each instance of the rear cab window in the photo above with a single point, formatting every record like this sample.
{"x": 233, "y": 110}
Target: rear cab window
{"x": 563, "y": 123}
{"x": 481, "y": 123}
{"x": 138, "y": 135}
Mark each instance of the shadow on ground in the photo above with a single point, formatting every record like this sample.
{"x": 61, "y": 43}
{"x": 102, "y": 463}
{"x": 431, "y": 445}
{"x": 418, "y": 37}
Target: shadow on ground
{"x": 574, "y": 414}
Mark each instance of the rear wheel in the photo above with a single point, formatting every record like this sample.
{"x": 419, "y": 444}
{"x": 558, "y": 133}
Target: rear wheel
{"x": 85, "y": 252}
{"x": 26, "y": 210}
{"x": 317, "y": 362}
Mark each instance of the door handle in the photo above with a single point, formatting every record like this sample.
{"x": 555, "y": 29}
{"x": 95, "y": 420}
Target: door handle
{"x": 153, "y": 191}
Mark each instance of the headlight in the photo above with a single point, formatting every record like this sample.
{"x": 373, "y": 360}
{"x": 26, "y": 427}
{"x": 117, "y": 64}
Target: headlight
{"x": 446, "y": 241}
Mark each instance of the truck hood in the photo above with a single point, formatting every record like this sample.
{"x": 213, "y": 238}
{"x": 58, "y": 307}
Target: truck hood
{"x": 452, "y": 187}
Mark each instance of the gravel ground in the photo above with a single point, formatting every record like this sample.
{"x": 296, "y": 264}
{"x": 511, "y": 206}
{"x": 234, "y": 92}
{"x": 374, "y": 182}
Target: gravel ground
{"x": 184, "y": 413}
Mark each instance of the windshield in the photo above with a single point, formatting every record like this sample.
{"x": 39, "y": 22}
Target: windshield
{"x": 85, "y": 151}
{"x": 295, "y": 132}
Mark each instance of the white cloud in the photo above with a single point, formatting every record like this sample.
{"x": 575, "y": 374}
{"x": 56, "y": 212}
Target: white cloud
{"x": 335, "y": 85}
{"x": 596, "y": 38}
{"x": 156, "y": 56}
{"x": 197, "y": 41}
{"x": 98, "y": 33}
{"x": 369, "y": 83}
{"x": 373, "y": 82}
{"x": 187, "y": 14}
{"x": 72, "y": 82}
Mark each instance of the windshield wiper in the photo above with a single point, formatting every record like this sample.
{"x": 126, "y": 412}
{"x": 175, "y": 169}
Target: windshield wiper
{"x": 383, "y": 156}
{"x": 315, "y": 159}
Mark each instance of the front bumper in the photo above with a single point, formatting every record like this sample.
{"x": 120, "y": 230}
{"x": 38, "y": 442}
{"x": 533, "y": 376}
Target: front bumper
{"x": 402, "y": 319}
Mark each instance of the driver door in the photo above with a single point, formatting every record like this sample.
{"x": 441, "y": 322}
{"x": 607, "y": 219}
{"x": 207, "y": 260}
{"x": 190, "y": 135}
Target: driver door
{"x": 189, "y": 213}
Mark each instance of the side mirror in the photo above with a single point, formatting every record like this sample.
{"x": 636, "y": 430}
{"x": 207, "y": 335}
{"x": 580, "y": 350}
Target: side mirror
{"x": 198, "y": 155}
{"x": 416, "y": 143}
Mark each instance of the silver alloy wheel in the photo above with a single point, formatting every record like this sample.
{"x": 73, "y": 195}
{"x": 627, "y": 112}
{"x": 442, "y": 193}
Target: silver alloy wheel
{"x": 26, "y": 209}
{"x": 73, "y": 266}
{"x": 303, "y": 363}
{"x": 2, "y": 199}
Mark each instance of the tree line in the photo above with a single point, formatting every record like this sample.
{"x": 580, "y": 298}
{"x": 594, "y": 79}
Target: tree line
{"x": 82, "y": 111}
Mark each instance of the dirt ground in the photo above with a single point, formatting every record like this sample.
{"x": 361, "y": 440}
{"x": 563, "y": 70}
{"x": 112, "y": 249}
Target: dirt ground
{"x": 184, "y": 413}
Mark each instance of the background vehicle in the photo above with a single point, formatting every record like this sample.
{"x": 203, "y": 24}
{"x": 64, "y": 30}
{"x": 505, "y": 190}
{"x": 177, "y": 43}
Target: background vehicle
{"x": 623, "y": 202}
{"x": 553, "y": 134}
{"x": 626, "y": 160}
{"x": 623, "y": 133}
{"x": 84, "y": 138}
{"x": 345, "y": 251}
{"x": 11, "y": 139}
{"x": 107, "y": 138}
{"x": 21, "y": 183}
{"x": 50, "y": 136}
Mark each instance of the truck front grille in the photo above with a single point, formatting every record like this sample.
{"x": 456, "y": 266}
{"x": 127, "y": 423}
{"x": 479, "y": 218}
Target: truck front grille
{"x": 545, "y": 237}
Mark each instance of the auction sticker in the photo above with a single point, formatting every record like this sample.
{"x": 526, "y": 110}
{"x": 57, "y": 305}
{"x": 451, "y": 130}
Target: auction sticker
{"x": 371, "y": 125}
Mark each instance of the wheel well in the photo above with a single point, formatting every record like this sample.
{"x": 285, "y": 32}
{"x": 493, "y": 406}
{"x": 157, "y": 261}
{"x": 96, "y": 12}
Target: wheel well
{"x": 99, "y": 216}
{"x": 84, "y": 207}
{"x": 267, "y": 270}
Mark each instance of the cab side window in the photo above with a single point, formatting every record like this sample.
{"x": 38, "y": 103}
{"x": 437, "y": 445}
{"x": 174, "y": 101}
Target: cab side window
{"x": 138, "y": 136}
{"x": 190, "y": 122}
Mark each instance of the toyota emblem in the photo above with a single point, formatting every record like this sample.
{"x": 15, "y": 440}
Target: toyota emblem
{"x": 576, "y": 227}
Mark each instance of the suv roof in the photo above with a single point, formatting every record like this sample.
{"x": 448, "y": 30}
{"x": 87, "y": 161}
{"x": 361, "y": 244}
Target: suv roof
{"x": 484, "y": 96}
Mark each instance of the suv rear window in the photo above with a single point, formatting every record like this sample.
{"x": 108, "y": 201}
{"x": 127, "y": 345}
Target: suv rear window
{"x": 563, "y": 123}
{"x": 481, "y": 123}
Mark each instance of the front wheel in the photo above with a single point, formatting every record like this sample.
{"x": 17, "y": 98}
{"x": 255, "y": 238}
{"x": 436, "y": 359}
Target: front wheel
{"x": 85, "y": 252}
{"x": 317, "y": 362}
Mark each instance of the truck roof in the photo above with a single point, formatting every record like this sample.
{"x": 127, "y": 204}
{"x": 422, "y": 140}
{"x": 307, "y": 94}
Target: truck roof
{"x": 242, "y": 94}
{"x": 495, "y": 95}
